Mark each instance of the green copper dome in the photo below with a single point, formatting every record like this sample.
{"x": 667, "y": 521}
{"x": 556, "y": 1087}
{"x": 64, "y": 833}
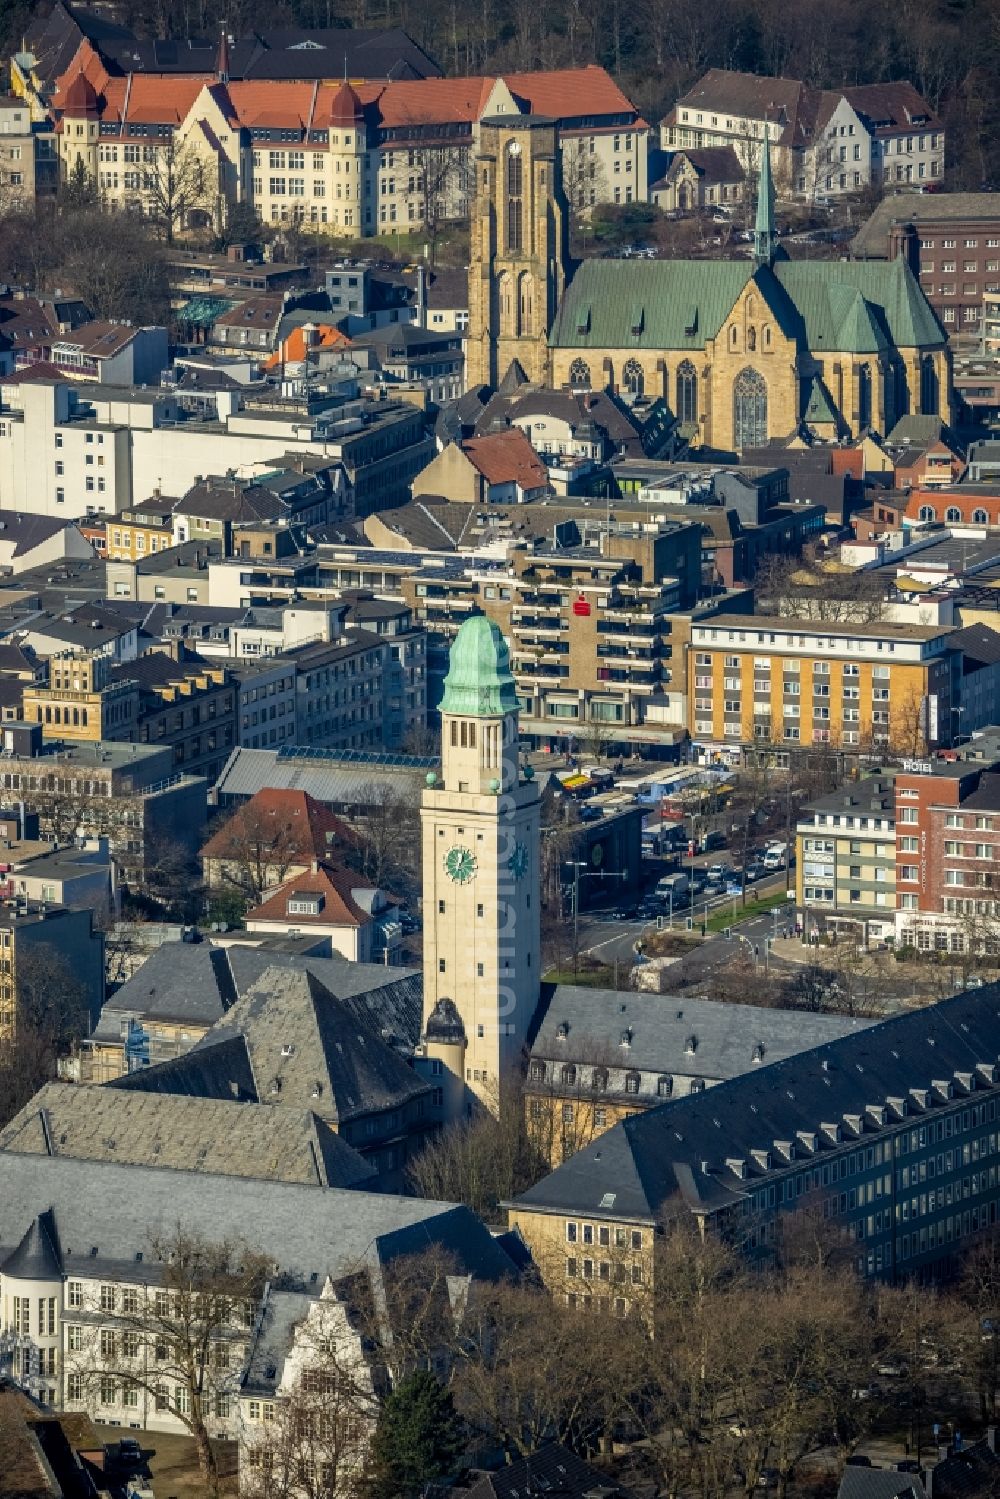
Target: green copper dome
{"x": 479, "y": 680}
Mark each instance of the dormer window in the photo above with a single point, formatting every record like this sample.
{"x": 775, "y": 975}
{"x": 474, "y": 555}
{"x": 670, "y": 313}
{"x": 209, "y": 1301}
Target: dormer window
{"x": 691, "y": 1045}
{"x": 626, "y": 1039}
{"x": 305, "y": 905}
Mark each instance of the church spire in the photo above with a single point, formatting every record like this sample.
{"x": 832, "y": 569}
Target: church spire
{"x": 764, "y": 236}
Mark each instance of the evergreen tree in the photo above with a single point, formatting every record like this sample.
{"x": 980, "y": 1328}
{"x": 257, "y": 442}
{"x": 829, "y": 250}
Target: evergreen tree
{"x": 418, "y": 1437}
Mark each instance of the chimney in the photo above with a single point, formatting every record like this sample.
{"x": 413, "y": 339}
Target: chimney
{"x": 421, "y": 296}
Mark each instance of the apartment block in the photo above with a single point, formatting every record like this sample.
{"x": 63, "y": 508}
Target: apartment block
{"x": 71, "y": 450}
{"x": 948, "y": 856}
{"x": 755, "y": 679}
{"x": 845, "y": 872}
{"x": 951, "y": 241}
{"x": 824, "y": 143}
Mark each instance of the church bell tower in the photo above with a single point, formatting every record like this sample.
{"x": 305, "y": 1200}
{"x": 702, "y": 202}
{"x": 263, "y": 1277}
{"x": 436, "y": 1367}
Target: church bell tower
{"x": 519, "y": 253}
{"x": 480, "y": 828}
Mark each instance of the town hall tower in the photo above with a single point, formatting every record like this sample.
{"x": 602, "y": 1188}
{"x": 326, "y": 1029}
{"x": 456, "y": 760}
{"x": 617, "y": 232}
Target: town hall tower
{"x": 480, "y": 828}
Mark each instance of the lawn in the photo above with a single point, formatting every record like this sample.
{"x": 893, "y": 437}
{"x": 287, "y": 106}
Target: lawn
{"x": 724, "y": 917}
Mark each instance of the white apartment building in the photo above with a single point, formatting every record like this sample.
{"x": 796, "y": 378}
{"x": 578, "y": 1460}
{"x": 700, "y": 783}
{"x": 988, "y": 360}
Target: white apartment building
{"x": 71, "y": 450}
{"x": 824, "y": 143}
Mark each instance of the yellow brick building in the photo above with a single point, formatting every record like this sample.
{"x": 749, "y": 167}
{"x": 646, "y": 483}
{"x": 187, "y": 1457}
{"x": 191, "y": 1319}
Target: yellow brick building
{"x": 755, "y": 679}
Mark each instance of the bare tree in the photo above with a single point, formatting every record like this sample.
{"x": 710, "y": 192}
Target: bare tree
{"x": 389, "y": 828}
{"x": 438, "y": 188}
{"x": 481, "y": 1161}
{"x": 254, "y": 850}
{"x": 182, "y": 1343}
{"x": 176, "y": 187}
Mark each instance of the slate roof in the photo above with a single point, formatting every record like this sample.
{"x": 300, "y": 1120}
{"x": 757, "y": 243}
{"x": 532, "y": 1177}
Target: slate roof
{"x": 184, "y": 1133}
{"x": 969, "y": 1474}
{"x": 662, "y": 1028}
{"x": 713, "y": 164}
{"x": 684, "y": 1147}
{"x": 198, "y": 983}
{"x": 925, "y": 209}
{"x": 37, "y": 1255}
{"x": 106, "y": 1216}
{"x": 879, "y": 1483}
{"x": 979, "y": 645}
{"x": 553, "y": 1471}
{"x": 843, "y": 306}
{"x": 289, "y": 1041}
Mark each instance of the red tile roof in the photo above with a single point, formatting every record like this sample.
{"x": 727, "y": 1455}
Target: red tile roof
{"x": 339, "y": 907}
{"x": 315, "y": 828}
{"x": 507, "y": 458}
{"x": 294, "y": 348}
{"x": 153, "y": 98}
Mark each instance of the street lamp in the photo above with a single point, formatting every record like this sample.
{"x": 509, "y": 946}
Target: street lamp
{"x": 591, "y": 874}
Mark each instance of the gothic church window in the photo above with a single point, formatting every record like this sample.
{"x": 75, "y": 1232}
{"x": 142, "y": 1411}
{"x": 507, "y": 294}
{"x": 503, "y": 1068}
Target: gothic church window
{"x": 864, "y": 396}
{"x": 749, "y": 409}
{"x": 687, "y": 393}
{"x": 579, "y": 374}
{"x": 928, "y": 387}
{"x": 515, "y": 195}
{"x": 632, "y": 377}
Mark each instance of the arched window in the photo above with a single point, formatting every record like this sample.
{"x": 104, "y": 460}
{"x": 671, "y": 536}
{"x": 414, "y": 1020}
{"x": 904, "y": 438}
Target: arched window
{"x": 515, "y": 191}
{"x": 568, "y": 1075}
{"x": 751, "y": 306}
{"x": 687, "y": 393}
{"x": 524, "y": 305}
{"x": 751, "y": 338}
{"x": 697, "y": 1085}
{"x": 928, "y": 386}
{"x": 631, "y": 1082}
{"x": 579, "y": 374}
{"x": 927, "y": 512}
{"x": 664, "y": 1086}
{"x": 505, "y": 298}
{"x": 953, "y": 513}
{"x": 537, "y": 1072}
{"x": 734, "y": 334}
{"x": 632, "y": 377}
{"x": 864, "y": 396}
{"x": 980, "y": 518}
{"x": 749, "y": 409}
{"x": 767, "y": 336}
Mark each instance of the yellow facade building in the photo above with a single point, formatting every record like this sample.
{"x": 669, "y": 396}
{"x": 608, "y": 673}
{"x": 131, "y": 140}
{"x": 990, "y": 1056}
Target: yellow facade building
{"x": 754, "y": 679}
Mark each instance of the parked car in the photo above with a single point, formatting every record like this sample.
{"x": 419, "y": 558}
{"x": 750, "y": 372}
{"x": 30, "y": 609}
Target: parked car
{"x": 591, "y": 814}
{"x": 891, "y": 1368}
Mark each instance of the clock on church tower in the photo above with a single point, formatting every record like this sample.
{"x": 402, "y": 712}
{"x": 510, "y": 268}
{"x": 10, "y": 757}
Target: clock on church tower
{"x": 480, "y": 831}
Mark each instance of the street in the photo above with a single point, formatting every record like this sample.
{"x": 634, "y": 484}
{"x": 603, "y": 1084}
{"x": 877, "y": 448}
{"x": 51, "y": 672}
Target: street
{"x": 613, "y": 941}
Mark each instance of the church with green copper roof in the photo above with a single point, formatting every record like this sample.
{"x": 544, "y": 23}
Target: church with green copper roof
{"x": 744, "y": 350}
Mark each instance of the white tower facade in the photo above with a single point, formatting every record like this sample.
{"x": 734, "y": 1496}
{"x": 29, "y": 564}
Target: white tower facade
{"x": 480, "y": 827}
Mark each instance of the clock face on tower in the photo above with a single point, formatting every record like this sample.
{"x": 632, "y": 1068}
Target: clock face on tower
{"x": 519, "y": 861}
{"x": 459, "y": 864}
